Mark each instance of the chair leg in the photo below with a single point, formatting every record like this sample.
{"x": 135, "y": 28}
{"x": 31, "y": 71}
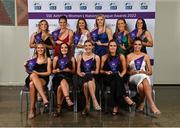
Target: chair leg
{"x": 21, "y": 100}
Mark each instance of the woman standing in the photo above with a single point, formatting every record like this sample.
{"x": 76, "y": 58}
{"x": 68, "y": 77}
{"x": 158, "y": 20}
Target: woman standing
{"x": 80, "y": 36}
{"x": 101, "y": 35}
{"x": 43, "y": 36}
{"x": 141, "y": 32}
{"x": 121, "y": 36}
{"x": 62, "y": 35}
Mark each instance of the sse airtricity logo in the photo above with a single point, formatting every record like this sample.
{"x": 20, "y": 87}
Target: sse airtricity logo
{"x": 52, "y": 6}
{"x": 67, "y": 6}
{"x": 144, "y": 5}
{"x": 98, "y": 6}
{"x": 113, "y": 6}
{"x": 128, "y": 6}
{"x": 37, "y": 6}
{"x": 83, "y": 6}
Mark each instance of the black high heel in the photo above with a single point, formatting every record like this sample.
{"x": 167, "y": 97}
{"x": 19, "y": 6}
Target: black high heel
{"x": 46, "y": 107}
{"x": 68, "y": 101}
{"x": 58, "y": 111}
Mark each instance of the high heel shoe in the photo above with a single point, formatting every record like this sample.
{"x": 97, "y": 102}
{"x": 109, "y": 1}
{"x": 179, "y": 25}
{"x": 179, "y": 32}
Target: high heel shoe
{"x": 86, "y": 110}
{"x": 46, "y": 107}
{"x": 97, "y": 108}
{"x": 58, "y": 111}
{"x": 68, "y": 101}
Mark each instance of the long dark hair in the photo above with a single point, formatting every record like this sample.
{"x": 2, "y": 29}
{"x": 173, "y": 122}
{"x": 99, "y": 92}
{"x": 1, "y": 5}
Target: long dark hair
{"x": 63, "y": 17}
{"x": 144, "y": 27}
{"x": 68, "y": 52}
{"x": 78, "y": 30}
{"x": 109, "y": 54}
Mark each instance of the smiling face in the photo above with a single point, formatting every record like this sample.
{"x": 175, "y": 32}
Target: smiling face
{"x": 112, "y": 47}
{"x": 137, "y": 45}
{"x": 62, "y": 23}
{"x": 82, "y": 24}
{"x": 88, "y": 47}
{"x": 121, "y": 25}
{"x": 40, "y": 49}
{"x": 64, "y": 49}
{"x": 43, "y": 25}
{"x": 100, "y": 21}
{"x": 139, "y": 24}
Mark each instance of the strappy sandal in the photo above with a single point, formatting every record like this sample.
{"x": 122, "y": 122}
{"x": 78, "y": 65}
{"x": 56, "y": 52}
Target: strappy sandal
{"x": 68, "y": 101}
{"x": 58, "y": 111}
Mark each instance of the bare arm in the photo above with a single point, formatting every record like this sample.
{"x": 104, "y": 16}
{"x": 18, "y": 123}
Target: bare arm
{"x": 70, "y": 37}
{"x": 123, "y": 61}
{"x": 149, "y": 43}
{"x": 97, "y": 65}
{"x": 55, "y": 70}
{"x": 148, "y": 67}
{"x": 79, "y": 66}
{"x": 32, "y": 43}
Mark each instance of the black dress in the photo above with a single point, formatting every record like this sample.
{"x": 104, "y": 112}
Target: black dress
{"x": 62, "y": 63}
{"x": 47, "y": 41}
{"x": 114, "y": 80}
{"x": 39, "y": 68}
{"x": 86, "y": 67}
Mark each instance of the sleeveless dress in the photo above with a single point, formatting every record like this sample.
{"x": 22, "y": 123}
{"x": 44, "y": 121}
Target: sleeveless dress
{"x": 86, "y": 67}
{"x": 115, "y": 82}
{"x": 62, "y": 63}
{"x": 39, "y": 68}
{"x": 122, "y": 39}
{"x": 133, "y": 35}
{"x": 79, "y": 51}
{"x": 137, "y": 79}
{"x": 101, "y": 50}
{"x": 47, "y": 41}
{"x": 57, "y": 46}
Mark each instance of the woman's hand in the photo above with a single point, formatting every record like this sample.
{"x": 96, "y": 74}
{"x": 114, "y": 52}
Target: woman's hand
{"x": 59, "y": 42}
{"x": 108, "y": 72}
{"x": 99, "y": 43}
{"x": 82, "y": 74}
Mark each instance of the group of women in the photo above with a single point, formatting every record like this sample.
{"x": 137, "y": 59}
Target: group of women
{"x": 88, "y": 54}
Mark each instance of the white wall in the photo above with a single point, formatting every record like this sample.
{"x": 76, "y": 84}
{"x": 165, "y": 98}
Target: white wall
{"x": 14, "y": 47}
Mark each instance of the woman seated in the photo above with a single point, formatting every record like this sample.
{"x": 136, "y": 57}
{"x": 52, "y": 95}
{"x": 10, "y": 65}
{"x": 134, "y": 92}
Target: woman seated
{"x": 140, "y": 69}
{"x": 39, "y": 69}
{"x": 113, "y": 66}
{"x": 63, "y": 68}
{"x": 87, "y": 66}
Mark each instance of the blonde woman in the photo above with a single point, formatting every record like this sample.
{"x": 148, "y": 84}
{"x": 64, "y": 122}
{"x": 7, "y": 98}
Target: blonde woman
{"x": 39, "y": 69}
{"x": 101, "y": 35}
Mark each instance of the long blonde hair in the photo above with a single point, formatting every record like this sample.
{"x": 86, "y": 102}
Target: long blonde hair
{"x": 35, "y": 51}
{"x": 104, "y": 24}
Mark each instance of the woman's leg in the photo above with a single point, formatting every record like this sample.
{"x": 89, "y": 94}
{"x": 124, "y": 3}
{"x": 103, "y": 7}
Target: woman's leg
{"x": 38, "y": 83}
{"x": 32, "y": 100}
{"x": 91, "y": 87}
{"x": 65, "y": 90}
{"x": 87, "y": 97}
{"x": 142, "y": 97}
{"x": 60, "y": 98}
{"x": 148, "y": 93}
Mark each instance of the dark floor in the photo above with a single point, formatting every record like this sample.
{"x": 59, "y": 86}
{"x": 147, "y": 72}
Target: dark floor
{"x": 166, "y": 98}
